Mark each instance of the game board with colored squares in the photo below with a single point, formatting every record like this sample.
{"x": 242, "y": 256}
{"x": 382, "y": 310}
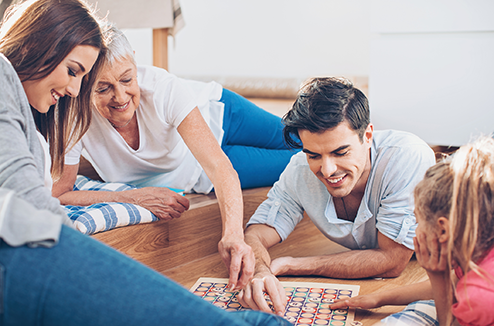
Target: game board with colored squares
{"x": 308, "y": 303}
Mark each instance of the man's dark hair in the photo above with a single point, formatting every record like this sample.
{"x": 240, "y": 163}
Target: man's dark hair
{"x": 323, "y": 103}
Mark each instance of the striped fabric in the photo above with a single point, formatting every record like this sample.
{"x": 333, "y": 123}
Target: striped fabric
{"x": 105, "y": 216}
{"x": 178, "y": 18}
{"x": 421, "y": 313}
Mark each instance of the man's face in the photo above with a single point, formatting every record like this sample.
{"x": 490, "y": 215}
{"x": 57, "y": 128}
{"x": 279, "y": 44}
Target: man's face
{"x": 338, "y": 158}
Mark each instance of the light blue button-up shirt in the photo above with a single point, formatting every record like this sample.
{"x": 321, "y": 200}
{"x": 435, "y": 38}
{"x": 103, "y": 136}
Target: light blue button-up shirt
{"x": 399, "y": 161}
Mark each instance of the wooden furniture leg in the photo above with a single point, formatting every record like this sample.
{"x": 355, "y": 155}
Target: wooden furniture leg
{"x": 160, "y": 48}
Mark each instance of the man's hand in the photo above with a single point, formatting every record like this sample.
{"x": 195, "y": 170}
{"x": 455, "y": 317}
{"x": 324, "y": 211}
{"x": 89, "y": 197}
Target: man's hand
{"x": 261, "y": 237}
{"x": 238, "y": 258}
{"x": 252, "y": 295}
{"x": 162, "y": 202}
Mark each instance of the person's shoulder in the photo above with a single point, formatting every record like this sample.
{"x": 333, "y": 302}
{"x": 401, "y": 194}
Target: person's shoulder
{"x": 149, "y": 76}
{"x": 298, "y": 169}
{"x": 5, "y": 63}
{"x": 299, "y": 183}
{"x": 299, "y": 160}
{"x": 488, "y": 261}
{"x": 398, "y": 149}
{"x": 401, "y": 140}
{"x": 6, "y": 69}
{"x": 11, "y": 84}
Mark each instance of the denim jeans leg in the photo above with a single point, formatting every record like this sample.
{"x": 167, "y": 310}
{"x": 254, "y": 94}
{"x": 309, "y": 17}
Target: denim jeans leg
{"x": 246, "y": 124}
{"x": 83, "y": 282}
{"x": 253, "y": 141}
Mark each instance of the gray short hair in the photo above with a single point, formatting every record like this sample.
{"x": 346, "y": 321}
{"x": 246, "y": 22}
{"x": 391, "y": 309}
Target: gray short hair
{"x": 118, "y": 47}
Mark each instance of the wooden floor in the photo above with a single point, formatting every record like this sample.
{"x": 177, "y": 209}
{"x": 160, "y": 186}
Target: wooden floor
{"x": 163, "y": 245}
{"x": 185, "y": 249}
{"x": 304, "y": 241}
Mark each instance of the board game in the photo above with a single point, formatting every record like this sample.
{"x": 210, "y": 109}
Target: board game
{"x": 307, "y": 303}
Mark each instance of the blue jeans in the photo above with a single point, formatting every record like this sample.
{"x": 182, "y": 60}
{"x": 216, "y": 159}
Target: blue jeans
{"x": 83, "y": 282}
{"x": 253, "y": 141}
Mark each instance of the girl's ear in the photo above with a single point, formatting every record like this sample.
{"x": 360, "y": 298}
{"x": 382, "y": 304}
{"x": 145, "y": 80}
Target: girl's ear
{"x": 443, "y": 229}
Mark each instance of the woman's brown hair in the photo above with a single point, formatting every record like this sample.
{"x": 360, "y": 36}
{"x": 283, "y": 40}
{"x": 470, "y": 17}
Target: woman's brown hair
{"x": 35, "y": 36}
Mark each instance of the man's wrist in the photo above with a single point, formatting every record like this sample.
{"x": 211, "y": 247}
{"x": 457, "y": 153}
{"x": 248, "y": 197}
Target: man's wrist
{"x": 262, "y": 269}
{"x": 284, "y": 266}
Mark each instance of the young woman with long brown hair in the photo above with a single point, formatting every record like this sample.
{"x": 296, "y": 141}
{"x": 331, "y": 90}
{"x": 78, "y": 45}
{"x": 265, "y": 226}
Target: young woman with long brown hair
{"x": 50, "y": 274}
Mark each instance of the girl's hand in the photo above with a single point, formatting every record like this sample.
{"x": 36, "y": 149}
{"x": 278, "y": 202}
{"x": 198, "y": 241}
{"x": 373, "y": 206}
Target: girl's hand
{"x": 431, "y": 254}
{"x": 367, "y": 301}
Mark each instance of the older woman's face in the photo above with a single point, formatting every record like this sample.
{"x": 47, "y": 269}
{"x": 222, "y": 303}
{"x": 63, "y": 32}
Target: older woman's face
{"x": 117, "y": 93}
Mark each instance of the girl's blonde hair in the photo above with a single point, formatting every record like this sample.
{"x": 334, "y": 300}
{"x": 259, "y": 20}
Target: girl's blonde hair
{"x": 36, "y": 35}
{"x": 461, "y": 188}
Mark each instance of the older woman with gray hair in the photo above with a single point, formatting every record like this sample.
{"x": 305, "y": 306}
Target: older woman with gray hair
{"x": 156, "y": 131}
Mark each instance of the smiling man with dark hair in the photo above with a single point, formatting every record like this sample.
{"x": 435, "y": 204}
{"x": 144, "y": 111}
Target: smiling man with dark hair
{"x": 354, "y": 183}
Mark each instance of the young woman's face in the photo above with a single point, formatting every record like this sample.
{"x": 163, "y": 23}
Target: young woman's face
{"x": 64, "y": 80}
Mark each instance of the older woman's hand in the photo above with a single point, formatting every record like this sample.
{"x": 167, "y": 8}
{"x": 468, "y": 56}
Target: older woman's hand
{"x": 238, "y": 258}
{"x": 162, "y": 202}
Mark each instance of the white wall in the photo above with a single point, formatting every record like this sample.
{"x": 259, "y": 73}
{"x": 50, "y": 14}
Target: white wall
{"x": 430, "y": 62}
{"x": 432, "y": 68}
{"x": 267, "y": 38}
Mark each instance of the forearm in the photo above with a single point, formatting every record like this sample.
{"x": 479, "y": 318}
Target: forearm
{"x": 263, "y": 259}
{"x": 29, "y": 186}
{"x": 351, "y": 264}
{"x": 205, "y": 148}
{"x": 229, "y": 194}
{"x": 162, "y": 202}
{"x": 260, "y": 243}
{"x": 406, "y": 294}
{"x": 439, "y": 288}
{"x": 18, "y": 172}
{"x": 86, "y": 197}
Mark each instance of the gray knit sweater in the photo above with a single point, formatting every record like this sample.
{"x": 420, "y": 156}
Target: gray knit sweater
{"x": 22, "y": 167}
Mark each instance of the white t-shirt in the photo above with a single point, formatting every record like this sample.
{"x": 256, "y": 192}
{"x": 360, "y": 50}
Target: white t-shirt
{"x": 162, "y": 158}
{"x": 46, "y": 151}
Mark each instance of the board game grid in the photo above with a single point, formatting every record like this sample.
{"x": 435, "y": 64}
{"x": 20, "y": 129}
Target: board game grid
{"x": 308, "y": 303}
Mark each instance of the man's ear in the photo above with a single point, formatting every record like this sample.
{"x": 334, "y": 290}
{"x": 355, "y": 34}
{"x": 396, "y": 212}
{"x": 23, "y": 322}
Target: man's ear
{"x": 442, "y": 225}
{"x": 368, "y": 133}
